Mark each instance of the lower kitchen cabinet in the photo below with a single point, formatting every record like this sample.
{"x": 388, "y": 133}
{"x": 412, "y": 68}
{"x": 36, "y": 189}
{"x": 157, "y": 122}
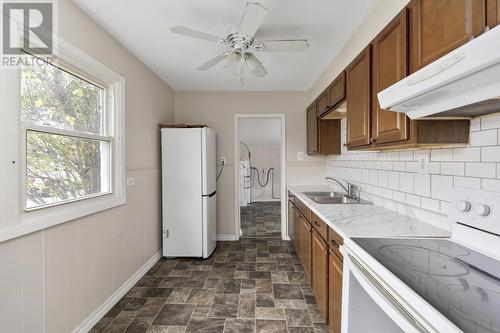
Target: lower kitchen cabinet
{"x": 335, "y": 269}
{"x": 320, "y": 272}
{"x": 305, "y": 245}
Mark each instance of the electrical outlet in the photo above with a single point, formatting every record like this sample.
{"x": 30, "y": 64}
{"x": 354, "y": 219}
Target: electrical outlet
{"x": 130, "y": 181}
{"x": 300, "y": 156}
{"x": 423, "y": 164}
{"x": 223, "y": 161}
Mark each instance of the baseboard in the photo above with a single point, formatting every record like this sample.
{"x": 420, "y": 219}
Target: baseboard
{"x": 88, "y": 323}
{"x": 226, "y": 237}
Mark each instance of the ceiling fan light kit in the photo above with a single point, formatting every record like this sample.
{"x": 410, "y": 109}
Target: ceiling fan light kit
{"x": 242, "y": 44}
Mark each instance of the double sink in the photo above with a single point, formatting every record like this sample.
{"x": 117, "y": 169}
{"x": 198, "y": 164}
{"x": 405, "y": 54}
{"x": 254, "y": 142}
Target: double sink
{"x": 335, "y": 198}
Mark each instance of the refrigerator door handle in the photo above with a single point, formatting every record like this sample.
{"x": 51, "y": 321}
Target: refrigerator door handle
{"x": 210, "y": 195}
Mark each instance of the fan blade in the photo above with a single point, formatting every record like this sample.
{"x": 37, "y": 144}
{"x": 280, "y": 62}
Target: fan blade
{"x": 252, "y": 18}
{"x": 298, "y": 45}
{"x": 255, "y": 67}
{"x": 195, "y": 34}
{"x": 212, "y": 62}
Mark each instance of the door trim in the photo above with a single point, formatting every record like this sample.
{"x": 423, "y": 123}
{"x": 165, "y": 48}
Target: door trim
{"x": 236, "y": 178}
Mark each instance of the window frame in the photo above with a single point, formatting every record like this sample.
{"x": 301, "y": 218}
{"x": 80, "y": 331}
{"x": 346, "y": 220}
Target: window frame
{"x": 38, "y": 218}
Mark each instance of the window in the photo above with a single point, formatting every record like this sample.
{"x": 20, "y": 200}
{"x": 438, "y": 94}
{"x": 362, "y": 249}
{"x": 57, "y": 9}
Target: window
{"x": 62, "y": 129}
{"x": 67, "y": 136}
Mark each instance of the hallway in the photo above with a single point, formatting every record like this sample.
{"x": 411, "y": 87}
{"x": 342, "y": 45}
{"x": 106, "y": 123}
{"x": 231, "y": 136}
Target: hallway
{"x": 261, "y": 220}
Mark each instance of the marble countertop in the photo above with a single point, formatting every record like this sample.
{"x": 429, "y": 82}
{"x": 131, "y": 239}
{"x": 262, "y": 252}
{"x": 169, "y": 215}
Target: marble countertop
{"x": 366, "y": 220}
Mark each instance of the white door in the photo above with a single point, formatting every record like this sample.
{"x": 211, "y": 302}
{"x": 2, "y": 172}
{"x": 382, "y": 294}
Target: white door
{"x": 182, "y": 192}
{"x": 209, "y": 224}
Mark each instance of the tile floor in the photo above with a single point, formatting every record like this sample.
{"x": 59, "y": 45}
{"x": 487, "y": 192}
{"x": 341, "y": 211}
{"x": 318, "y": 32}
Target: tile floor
{"x": 253, "y": 285}
{"x": 261, "y": 220}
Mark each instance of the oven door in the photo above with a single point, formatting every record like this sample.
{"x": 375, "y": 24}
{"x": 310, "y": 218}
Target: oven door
{"x": 369, "y": 306}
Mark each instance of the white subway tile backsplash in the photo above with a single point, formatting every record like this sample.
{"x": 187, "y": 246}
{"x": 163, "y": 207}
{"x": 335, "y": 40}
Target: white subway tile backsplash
{"x": 467, "y": 154}
{"x": 441, "y": 187}
{"x": 484, "y": 170}
{"x": 413, "y": 200}
{"x": 393, "y": 176}
{"x": 406, "y": 182}
{"x": 399, "y": 166}
{"x": 490, "y": 154}
{"x": 467, "y": 182}
{"x": 422, "y": 185}
{"x": 382, "y": 179}
{"x": 453, "y": 168}
{"x": 491, "y": 185}
{"x": 490, "y": 122}
{"x": 442, "y": 155}
{"x": 430, "y": 204}
{"x": 484, "y": 138}
{"x": 405, "y": 155}
{"x": 475, "y": 124}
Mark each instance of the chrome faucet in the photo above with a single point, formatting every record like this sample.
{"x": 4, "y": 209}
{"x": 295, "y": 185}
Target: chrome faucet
{"x": 352, "y": 191}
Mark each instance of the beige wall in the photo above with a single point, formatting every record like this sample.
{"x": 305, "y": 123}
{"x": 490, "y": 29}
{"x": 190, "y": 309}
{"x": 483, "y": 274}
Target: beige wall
{"x": 378, "y": 18}
{"x": 50, "y": 281}
{"x": 216, "y": 109}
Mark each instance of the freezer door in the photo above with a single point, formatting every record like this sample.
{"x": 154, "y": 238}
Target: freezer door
{"x": 209, "y": 224}
{"x": 209, "y": 161}
{"x": 182, "y": 192}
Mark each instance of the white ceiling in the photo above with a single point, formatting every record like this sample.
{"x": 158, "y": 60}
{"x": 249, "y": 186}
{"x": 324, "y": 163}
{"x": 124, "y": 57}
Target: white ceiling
{"x": 144, "y": 28}
{"x": 260, "y": 131}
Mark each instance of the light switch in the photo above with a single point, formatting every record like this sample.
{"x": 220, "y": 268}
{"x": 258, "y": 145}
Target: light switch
{"x": 130, "y": 181}
{"x": 300, "y": 156}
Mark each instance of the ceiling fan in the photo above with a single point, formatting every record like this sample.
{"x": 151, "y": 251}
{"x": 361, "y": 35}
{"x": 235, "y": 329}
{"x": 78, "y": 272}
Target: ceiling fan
{"x": 242, "y": 45}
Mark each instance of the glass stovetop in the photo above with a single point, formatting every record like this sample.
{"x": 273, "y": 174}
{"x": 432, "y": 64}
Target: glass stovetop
{"x": 462, "y": 284}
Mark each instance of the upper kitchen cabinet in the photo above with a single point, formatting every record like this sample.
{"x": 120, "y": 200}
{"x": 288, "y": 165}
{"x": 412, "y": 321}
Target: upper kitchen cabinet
{"x": 358, "y": 98}
{"x": 492, "y": 13}
{"x": 438, "y": 27}
{"x": 323, "y": 135}
{"x": 390, "y": 64}
{"x": 312, "y": 130}
{"x": 328, "y": 101}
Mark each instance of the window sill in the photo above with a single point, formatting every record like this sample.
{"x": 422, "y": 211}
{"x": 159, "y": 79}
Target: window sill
{"x": 33, "y": 222}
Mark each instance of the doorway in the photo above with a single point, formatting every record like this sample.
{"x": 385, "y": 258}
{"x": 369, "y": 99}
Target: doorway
{"x": 260, "y": 175}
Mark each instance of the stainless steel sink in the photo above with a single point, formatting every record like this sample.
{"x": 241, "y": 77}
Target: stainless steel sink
{"x": 335, "y": 198}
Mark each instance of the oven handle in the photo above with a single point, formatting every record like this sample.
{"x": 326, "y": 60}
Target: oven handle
{"x": 389, "y": 303}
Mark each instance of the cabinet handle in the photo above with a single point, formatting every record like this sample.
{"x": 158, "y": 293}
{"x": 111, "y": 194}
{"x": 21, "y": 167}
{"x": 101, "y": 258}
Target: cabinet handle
{"x": 317, "y": 224}
{"x": 372, "y": 140}
{"x": 344, "y": 144}
{"x": 334, "y": 243}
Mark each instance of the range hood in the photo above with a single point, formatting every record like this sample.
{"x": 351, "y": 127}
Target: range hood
{"x": 464, "y": 83}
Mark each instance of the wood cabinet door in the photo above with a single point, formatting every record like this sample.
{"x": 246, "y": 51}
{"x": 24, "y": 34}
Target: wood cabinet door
{"x": 358, "y": 89}
{"x": 390, "y": 65}
{"x": 312, "y": 130}
{"x": 322, "y": 104}
{"x": 296, "y": 231}
{"x": 438, "y": 27}
{"x": 319, "y": 269}
{"x": 492, "y": 13}
{"x": 335, "y": 269}
{"x": 305, "y": 246}
{"x": 291, "y": 215}
{"x": 336, "y": 90}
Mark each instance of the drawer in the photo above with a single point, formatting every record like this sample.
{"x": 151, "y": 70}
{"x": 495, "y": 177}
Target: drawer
{"x": 334, "y": 239}
{"x": 320, "y": 226}
{"x": 302, "y": 208}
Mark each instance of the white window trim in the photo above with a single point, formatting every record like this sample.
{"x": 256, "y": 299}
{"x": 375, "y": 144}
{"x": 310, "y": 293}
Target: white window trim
{"x": 32, "y": 221}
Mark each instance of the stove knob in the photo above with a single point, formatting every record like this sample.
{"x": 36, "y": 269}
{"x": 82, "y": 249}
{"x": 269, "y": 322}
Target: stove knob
{"x": 463, "y": 206}
{"x": 481, "y": 210}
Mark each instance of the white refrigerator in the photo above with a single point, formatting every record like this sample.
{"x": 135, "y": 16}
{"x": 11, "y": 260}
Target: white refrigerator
{"x": 189, "y": 197}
